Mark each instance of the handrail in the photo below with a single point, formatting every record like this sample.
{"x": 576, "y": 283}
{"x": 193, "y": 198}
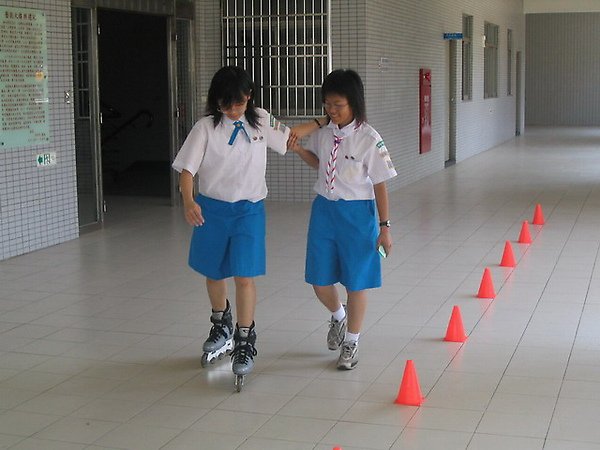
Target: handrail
{"x": 127, "y": 123}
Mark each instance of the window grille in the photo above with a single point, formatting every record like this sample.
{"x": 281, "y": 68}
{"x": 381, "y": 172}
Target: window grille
{"x": 284, "y": 46}
{"x": 490, "y": 61}
{"x": 467, "y": 58}
{"x": 82, "y": 64}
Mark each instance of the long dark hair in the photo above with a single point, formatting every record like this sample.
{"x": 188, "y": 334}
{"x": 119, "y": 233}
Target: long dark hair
{"x": 229, "y": 85}
{"x": 347, "y": 83}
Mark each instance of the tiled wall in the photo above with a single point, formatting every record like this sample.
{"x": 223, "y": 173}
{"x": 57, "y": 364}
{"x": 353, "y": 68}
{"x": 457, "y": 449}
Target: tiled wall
{"x": 409, "y": 34}
{"x": 563, "y": 69}
{"x": 38, "y": 206}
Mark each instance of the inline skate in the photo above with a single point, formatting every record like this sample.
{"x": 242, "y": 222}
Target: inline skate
{"x": 243, "y": 354}
{"x": 220, "y": 339}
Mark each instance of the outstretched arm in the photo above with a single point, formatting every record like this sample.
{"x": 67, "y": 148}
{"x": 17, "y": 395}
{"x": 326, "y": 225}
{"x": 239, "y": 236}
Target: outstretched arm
{"x": 308, "y": 157}
{"x": 306, "y": 128}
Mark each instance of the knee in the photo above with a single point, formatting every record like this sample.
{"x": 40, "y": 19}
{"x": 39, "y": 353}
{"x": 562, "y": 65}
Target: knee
{"x": 244, "y": 282}
{"x": 215, "y": 283}
{"x": 323, "y": 291}
{"x": 318, "y": 290}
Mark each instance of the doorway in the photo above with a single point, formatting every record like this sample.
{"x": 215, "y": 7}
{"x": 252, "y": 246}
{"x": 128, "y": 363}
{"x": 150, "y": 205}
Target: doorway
{"x": 134, "y": 104}
{"x": 518, "y": 115}
{"x": 450, "y": 158}
{"x": 133, "y": 85}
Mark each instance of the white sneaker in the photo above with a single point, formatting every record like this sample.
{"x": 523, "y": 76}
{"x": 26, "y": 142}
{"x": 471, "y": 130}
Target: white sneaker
{"x": 337, "y": 333}
{"x": 348, "y": 356}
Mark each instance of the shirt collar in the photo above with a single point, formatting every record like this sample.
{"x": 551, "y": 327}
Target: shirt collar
{"x": 226, "y": 121}
{"x": 346, "y": 131}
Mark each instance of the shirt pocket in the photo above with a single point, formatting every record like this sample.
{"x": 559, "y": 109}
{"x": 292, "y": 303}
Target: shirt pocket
{"x": 351, "y": 169}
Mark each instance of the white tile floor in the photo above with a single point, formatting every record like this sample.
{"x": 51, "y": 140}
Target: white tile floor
{"x": 100, "y": 338}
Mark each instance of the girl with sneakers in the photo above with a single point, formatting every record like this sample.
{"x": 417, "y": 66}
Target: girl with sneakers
{"x": 350, "y": 219}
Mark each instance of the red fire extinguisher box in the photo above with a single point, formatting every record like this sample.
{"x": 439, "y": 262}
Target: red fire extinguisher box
{"x": 424, "y": 110}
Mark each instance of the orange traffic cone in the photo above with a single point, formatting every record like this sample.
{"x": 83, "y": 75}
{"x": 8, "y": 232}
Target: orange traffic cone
{"x": 455, "y": 331}
{"x": 508, "y": 258}
{"x": 337, "y": 448}
{"x": 525, "y": 237}
{"x": 538, "y": 215}
{"x": 486, "y": 288}
{"x": 410, "y": 391}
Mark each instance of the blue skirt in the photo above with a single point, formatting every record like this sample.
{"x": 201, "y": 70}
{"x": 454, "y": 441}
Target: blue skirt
{"x": 341, "y": 247}
{"x": 231, "y": 243}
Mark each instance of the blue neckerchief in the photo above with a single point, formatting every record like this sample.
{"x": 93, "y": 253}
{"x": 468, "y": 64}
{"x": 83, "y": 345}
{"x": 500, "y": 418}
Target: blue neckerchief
{"x": 239, "y": 125}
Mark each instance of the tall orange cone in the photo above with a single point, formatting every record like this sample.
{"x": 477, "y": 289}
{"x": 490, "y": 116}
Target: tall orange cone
{"x": 538, "y": 215}
{"x": 525, "y": 237}
{"x": 455, "y": 331}
{"x": 410, "y": 391}
{"x": 486, "y": 288}
{"x": 508, "y": 258}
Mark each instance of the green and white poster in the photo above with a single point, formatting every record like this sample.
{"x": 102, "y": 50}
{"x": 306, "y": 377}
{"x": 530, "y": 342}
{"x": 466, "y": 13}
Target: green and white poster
{"x": 24, "y": 117}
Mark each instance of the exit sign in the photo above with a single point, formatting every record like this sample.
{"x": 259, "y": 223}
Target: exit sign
{"x": 45, "y": 159}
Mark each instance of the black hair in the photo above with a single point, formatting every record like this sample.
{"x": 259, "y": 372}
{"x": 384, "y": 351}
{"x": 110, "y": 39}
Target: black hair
{"x": 229, "y": 85}
{"x": 347, "y": 83}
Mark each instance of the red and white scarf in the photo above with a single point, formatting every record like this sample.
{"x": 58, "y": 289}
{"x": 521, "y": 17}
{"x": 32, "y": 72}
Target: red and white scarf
{"x": 331, "y": 163}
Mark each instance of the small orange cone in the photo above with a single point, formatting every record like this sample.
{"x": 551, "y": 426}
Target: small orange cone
{"x": 538, "y": 215}
{"x": 486, "y": 288}
{"x": 525, "y": 237}
{"x": 455, "y": 331}
{"x": 337, "y": 448}
{"x": 508, "y": 258}
{"x": 410, "y": 391}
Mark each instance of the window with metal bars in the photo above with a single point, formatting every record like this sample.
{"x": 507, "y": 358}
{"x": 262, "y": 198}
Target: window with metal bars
{"x": 490, "y": 61}
{"x": 82, "y": 64}
{"x": 284, "y": 46}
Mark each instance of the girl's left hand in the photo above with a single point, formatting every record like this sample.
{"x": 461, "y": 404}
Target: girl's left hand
{"x": 385, "y": 240}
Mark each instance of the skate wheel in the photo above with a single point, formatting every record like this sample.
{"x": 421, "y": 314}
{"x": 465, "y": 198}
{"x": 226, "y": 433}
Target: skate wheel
{"x": 239, "y": 382}
{"x": 204, "y": 360}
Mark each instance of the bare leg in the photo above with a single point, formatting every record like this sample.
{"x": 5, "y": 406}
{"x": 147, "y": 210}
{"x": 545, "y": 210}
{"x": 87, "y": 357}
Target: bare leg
{"x": 245, "y": 300}
{"x": 217, "y": 292}
{"x": 328, "y": 295}
{"x": 357, "y": 307}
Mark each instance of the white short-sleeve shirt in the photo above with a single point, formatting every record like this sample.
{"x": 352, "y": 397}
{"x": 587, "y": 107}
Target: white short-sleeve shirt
{"x": 362, "y": 161}
{"x": 231, "y": 172}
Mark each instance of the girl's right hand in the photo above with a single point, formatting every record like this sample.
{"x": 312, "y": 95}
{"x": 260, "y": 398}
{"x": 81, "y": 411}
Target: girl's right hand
{"x": 193, "y": 213}
{"x": 292, "y": 140}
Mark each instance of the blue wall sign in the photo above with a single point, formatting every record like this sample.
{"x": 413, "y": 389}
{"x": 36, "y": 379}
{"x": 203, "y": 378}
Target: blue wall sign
{"x": 453, "y": 36}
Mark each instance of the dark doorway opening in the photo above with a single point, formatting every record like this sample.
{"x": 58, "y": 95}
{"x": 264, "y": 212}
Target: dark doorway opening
{"x": 134, "y": 102}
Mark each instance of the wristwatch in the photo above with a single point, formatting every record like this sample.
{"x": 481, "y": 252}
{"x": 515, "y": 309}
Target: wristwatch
{"x": 385, "y": 223}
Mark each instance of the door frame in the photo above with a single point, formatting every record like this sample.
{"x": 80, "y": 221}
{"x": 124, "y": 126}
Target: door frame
{"x": 94, "y": 111}
{"x": 518, "y": 97}
{"x": 450, "y": 156}
{"x": 171, "y": 10}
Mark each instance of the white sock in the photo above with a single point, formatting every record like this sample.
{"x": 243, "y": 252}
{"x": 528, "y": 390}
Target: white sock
{"x": 339, "y": 314}
{"x": 351, "y": 337}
